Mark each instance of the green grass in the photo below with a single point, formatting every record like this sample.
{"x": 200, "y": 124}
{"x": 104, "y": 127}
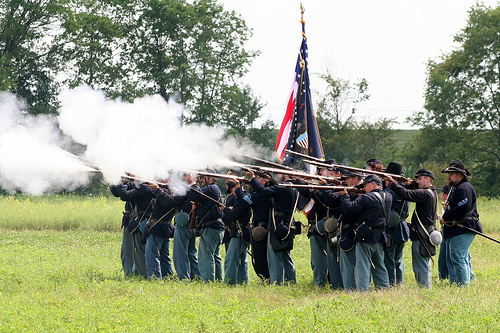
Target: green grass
{"x": 69, "y": 279}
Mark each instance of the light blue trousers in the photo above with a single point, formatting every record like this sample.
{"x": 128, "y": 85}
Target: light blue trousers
{"x": 319, "y": 257}
{"x": 281, "y": 266}
{"x": 158, "y": 263}
{"x": 139, "y": 251}
{"x": 366, "y": 254}
{"x": 334, "y": 268}
{"x": 236, "y": 262}
{"x": 460, "y": 258}
{"x": 127, "y": 252}
{"x": 347, "y": 265}
{"x": 210, "y": 261}
{"x": 185, "y": 257}
{"x": 421, "y": 266}
{"x": 393, "y": 259}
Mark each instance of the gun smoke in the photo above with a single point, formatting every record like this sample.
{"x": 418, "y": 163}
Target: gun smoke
{"x": 145, "y": 138}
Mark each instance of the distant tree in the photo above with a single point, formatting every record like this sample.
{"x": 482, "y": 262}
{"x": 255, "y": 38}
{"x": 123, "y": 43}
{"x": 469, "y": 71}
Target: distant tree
{"x": 27, "y": 31}
{"x": 195, "y": 52}
{"x": 94, "y": 54}
{"x": 462, "y": 98}
{"x": 265, "y": 135}
{"x": 345, "y": 138}
{"x": 338, "y": 104}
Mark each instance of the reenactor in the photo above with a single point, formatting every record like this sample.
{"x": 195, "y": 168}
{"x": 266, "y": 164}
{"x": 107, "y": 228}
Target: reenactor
{"x": 211, "y": 228}
{"x": 185, "y": 257}
{"x": 459, "y": 221}
{"x": 281, "y": 228}
{"x": 422, "y": 222}
{"x": 237, "y": 219}
{"x": 145, "y": 201}
{"x": 397, "y": 229}
{"x": 127, "y": 246}
{"x": 372, "y": 209}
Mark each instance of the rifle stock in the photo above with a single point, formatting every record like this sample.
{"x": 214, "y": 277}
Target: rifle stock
{"x": 192, "y": 217}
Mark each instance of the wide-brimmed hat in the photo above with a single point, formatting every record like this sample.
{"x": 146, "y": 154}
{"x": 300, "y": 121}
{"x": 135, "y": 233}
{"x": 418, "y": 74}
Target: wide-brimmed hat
{"x": 424, "y": 172}
{"x": 394, "y": 168}
{"x": 457, "y": 166}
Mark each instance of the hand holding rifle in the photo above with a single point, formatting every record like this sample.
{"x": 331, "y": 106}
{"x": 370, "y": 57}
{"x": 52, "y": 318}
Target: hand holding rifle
{"x": 343, "y": 191}
{"x": 322, "y": 181}
{"x": 153, "y": 186}
{"x": 250, "y": 174}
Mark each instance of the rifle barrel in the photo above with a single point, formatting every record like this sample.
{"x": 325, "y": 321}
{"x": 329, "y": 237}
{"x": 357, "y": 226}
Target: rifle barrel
{"x": 271, "y": 164}
{"x": 322, "y": 187}
{"x": 294, "y": 173}
{"x": 216, "y": 175}
{"x": 313, "y": 161}
{"x": 312, "y": 158}
{"x": 477, "y": 232}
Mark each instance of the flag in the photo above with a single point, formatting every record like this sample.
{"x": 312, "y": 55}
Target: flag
{"x": 299, "y": 130}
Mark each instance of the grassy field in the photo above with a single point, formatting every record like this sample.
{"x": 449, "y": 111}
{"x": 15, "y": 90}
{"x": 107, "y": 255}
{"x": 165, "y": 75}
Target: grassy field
{"x": 60, "y": 271}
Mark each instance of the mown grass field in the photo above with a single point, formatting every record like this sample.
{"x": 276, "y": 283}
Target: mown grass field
{"x": 60, "y": 271}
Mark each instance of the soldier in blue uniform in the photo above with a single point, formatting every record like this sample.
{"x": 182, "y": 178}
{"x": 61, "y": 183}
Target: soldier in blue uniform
{"x": 160, "y": 230}
{"x": 461, "y": 209}
{"x": 371, "y": 207}
{"x": 398, "y": 229}
{"x": 127, "y": 246}
{"x": 424, "y": 216}
{"x": 324, "y": 255}
{"x": 210, "y": 223}
{"x": 144, "y": 200}
{"x": 280, "y": 229}
{"x": 347, "y": 224}
{"x": 185, "y": 257}
{"x": 237, "y": 218}
{"x": 261, "y": 207}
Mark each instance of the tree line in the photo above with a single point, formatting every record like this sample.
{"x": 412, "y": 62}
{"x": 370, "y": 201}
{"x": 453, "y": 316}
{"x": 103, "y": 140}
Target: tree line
{"x": 194, "y": 53}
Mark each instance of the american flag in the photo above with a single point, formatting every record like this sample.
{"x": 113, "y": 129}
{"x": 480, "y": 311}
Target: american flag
{"x": 299, "y": 130}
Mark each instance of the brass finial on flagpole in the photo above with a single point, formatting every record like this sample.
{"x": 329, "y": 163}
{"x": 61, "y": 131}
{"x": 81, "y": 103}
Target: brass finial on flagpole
{"x": 302, "y": 10}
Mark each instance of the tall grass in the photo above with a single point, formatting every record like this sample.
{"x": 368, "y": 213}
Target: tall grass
{"x": 72, "y": 212}
{"x": 61, "y": 212}
{"x": 70, "y": 281}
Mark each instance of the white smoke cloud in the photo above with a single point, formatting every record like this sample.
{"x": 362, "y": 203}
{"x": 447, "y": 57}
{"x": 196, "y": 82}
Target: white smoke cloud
{"x": 144, "y": 138}
{"x": 31, "y": 159}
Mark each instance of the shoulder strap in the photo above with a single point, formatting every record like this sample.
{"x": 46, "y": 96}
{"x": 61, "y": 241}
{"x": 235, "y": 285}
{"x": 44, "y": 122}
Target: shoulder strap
{"x": 384, "y": 207}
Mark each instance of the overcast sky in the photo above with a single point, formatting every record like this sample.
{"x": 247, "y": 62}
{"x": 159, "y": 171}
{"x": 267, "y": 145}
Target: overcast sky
{"x": 387, "y": 42}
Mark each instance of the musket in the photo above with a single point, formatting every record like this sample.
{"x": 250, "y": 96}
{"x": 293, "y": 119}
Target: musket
{"x": 262, "y": 174}
{"x": 217, "y": 175}
{"x": 166, "y": 185}
{"x": 314, "y": 161}
{"x": 294, "y": 173}
{"x": 451, "y": 224}
{"x": 271, "y": 164}
{"x": 323, "y": 187}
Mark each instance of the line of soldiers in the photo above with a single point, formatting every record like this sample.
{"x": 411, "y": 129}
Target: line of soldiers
{"x": 355, "y": 238}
